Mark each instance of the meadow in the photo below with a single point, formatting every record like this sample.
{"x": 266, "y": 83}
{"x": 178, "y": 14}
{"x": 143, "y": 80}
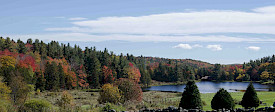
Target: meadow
{"x": 87, "y": 101}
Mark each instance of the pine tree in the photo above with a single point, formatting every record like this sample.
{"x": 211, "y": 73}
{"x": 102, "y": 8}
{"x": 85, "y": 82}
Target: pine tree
{"x": 250, "y": 98}
{"x": 40, "y": 81}
{"x": 191, "y": 97}
{"x": 52, "y": 76}
{"x": 93, "y": 69}
{"x": 222, "y": 99}
{"x": 61, "y": 76}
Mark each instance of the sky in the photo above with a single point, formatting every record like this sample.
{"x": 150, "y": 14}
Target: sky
{"x": 215, "y": 31}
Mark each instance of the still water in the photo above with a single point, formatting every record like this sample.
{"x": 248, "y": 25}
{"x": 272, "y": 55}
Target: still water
{"x": 213, "y": 87}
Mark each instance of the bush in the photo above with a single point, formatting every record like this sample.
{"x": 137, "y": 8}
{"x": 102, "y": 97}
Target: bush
{"x": 191, "y": 97}
{"x": 250, "y": 98}
{"x": 131, "y": 91}
{"x": 66, "y": 100}
{"x": 37, "y": 105}
{"x": 110, "y": 106}
{"x": 222, "y": 99}
{"x": 110, "y": 94}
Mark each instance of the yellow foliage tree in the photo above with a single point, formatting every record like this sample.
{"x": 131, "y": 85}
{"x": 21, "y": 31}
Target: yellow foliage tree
{"x": 265, "y": 75}
{"x": 4, "y": 96}
{"x": 7, "y": 61}
{"x": 110, "y": 94}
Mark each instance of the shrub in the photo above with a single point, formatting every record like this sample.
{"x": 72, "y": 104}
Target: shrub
{"x": 191, "y": 97}
{"x": 131, "y": 91}
{"x": 110, "y": 106}
{"x": 250, "y": 98}
{"x": 66, "y": 100}
{"x": 37, "y": 105}
{"x": 110, "y": 94}
{"x": 222, "y": 99}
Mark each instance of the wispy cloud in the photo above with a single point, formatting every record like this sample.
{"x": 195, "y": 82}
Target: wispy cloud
{"x": 182, "y": 25}
{"x": 260, "y": 20}
{"x": 267, "y": 9}
{"x": 214, "y": 47}
{"x": 253, "y": 48}
{"x": 77, "y": 18}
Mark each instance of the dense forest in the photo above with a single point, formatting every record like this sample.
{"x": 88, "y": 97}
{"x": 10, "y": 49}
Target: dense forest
{"x": 53, "y": 65}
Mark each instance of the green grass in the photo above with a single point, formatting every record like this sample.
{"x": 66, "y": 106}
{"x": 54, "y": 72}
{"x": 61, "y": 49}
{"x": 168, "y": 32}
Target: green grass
{"x": 267, "y": 97}
{"x": 154, "y": 99}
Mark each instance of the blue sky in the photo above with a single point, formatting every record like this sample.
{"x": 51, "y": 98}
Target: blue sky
{"x": 216, "y": 31}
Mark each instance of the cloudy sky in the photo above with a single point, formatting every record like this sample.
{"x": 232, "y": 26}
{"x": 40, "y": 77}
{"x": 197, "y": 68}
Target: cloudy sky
{"x": 216, "y": 31}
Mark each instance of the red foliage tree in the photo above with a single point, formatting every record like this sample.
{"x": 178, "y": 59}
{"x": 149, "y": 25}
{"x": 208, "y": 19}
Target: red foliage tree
{"x": 134, "y": 74}
{"x": 82, "y": 77}
{"x": 108, "y": 75}
{"x": 27, "y": 61}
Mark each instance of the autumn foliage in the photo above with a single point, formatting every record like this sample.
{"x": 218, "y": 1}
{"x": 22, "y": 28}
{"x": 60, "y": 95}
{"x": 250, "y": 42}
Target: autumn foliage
{"x": 131, "y": 91}
{"x": 110, "y": 94}
{"x": 133, "y": 73}
{"x": 108, "y": 75}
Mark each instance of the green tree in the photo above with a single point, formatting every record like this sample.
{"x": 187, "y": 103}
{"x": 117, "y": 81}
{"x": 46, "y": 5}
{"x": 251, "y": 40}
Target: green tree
{"x": 191, "y": 97}
{"x": 61, "y": 76}
{"x": 250, "y": 98}
{"x": 222, "y": 100}
{"x": 52, "y": 76}
{"x": 93, "y": 69}
{"x": 21, "y": 47}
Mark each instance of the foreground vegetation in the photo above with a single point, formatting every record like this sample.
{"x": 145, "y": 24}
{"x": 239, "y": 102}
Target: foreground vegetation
{"x": 151, "y": 99}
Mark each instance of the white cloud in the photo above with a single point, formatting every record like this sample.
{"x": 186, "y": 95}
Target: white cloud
{"x": 195, "y": 22}
{"x": 183, "y": 46}
{"x": 268, "y": 9}
{"x": 180, "y": 26}
{"x": 77, "y": 18}
{"x": 214, "y": 47}
{"x": 253, "y": 48}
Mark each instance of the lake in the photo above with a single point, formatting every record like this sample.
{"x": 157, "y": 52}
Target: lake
{"x": 213, "y": 87}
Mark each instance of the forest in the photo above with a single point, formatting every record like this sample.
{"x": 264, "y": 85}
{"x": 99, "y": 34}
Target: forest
{"x": 38, "y": 66}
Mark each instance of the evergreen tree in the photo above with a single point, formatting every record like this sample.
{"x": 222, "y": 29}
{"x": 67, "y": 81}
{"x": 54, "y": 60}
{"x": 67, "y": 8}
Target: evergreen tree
{"x": 40, "y": 82}
{"x": 250, "y": 98}
{"x": 61, "y": 76}
{"x": 93, "y": 69}
{"x": 222, "y": 100}
{"x": 52, "y": 76}
{"x": 191, "y": 97}
{"x": 21, "y": 47}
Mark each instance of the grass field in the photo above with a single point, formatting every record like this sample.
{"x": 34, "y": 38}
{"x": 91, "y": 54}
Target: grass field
{"x": 165, "y": 99}
{"x": 151, "y": 99}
